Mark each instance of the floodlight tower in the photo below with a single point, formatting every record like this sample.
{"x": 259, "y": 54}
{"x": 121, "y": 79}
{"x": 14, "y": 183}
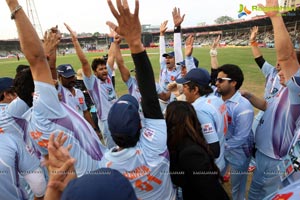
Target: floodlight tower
{"x": 34, "y": 18}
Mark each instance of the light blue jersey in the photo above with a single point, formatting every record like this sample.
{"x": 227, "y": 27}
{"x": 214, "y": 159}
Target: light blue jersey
{"x": 76, "y": 102}
{"x": 167, "y": 76}
{"x": 239, "y": 142}
{"x": 276, "y": 128}
{"x": 273, "y": 85}
{"x": 102, "y": 93}
{"x": 14, "y": 159}
{"x": 11, "y": 121}
{"x": 49, "y": 115}
{"x": 147, "y": 164}
{"x": 104, "y": 96}
{"x": 239, "y": 138}
{"x": 290, "y": 192}
{"x": 211, "y": 113}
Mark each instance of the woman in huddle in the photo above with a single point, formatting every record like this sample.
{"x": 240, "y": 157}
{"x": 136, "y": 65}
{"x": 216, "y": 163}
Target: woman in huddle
{"x": 192, "y": 164}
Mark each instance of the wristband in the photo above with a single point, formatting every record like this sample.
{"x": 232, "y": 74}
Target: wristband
{"x": 13, "y": 13}
{"x": 254, "y": 43}
{"x": 177, "y": 29}
{"x": 213, "y": 52}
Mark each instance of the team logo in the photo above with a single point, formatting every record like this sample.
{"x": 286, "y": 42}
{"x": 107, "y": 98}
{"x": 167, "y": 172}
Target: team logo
{"x": 243, "y": 11}
{"x": 68, "y": 67}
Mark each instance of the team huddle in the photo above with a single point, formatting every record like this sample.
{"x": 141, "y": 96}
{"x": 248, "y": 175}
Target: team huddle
{"x": 175, "y": 139}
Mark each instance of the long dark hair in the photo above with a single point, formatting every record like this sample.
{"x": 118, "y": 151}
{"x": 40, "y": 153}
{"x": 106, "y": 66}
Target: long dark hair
{"x": 24, "y": 86}
{"x": 182, "y": 122}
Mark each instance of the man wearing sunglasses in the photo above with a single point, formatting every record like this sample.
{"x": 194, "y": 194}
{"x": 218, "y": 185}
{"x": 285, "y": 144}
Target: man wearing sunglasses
{"x": 210, "y": 109}
{"x": 239, "y": 137}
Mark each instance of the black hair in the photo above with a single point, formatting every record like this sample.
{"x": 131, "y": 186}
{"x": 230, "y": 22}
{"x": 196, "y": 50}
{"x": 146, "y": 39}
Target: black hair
{"x": 9, "y": 90}
{"x": 24, "y": 86}
{"x": 21, "y": 67}
{"x": 233, "y": 72}
{"x": 202, "y": 90}
{"x": 126, "y": 141}
{"x": 96, "y": 62}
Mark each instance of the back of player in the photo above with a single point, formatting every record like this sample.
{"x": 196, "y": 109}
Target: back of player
{"x": 51, "y": 116}
{"x": 147, "y": 164}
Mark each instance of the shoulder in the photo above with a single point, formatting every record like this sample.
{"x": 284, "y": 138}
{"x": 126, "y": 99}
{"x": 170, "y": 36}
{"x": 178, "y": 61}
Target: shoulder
{"x": 190, "y": 148}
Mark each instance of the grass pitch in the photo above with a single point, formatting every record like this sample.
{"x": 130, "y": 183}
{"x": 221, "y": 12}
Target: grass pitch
{"x": 254, "y": 80}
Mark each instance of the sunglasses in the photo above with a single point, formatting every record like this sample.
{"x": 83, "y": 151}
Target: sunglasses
{"x": 221, "y": 80}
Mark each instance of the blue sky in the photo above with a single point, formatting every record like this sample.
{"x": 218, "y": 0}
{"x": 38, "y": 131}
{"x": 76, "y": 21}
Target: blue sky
{"x": 91, "y": 15}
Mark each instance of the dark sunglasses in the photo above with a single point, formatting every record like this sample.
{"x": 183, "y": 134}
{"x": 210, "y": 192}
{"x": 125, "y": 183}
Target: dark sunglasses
{"x": 221, "y": 80}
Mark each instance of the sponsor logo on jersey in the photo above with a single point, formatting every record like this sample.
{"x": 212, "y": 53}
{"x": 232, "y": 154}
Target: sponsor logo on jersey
{"x": 207, "y": 128}
{"x": 149, "y": 134}
{"x": 80, "y": 100}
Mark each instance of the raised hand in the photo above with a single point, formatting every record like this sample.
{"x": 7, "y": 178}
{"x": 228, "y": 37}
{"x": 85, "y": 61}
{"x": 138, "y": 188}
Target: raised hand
{"x": 215, "y": 44}
{"x": 271, "y": 9}
{"x": 163, "y": 28}
{"x": 177, "y": 18}
{"x": 117, "y": 39}
{"x": 60, "y": 163}
{"x": 72, "y": 33}
{"x": 51, "y": 40}
{"x": 254, "y": 31}
{"x": 189, "y": 45}
{"x": 58, "y": 154}
{"x": 129, "y": 25}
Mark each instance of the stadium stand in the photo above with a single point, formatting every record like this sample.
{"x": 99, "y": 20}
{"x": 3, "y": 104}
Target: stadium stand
{"x": 233, "y": 34}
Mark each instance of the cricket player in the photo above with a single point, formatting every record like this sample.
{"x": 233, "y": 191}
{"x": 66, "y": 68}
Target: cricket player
{"x": 99, "y": 84}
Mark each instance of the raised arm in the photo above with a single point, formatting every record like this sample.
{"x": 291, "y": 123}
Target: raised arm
{"x": 286, "y": 55}
{"x": 30, "y": 43}
{"x": 130, "y": 28}
{"x": 252, "y": 40}
{"x": 177, "y": 19}
{"x": 111, "y": 55}
{"x": 51, "y": 40}
{"x": 214, "y": 59}
{"x": 189, "y": 60}
{"x": 162, "y": 42}
{"x": 125, "y": 74}
{"x": 86, "y": 68}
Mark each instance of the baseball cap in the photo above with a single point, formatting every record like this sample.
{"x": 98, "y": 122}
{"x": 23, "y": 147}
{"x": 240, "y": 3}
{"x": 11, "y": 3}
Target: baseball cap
{"x": 123, "y": 117}
{"x": 6, "y": 83}
{"x": 171, "y": 54}
{"x": 104, "y": 183}
{"x": 196, "y": 62}
{"x": 65, "y": 70}
{"x": 197, "y": 75}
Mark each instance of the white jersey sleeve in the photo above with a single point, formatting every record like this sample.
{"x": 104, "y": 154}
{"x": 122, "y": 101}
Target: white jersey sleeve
{"x": 153, "y": 138}
{"x": 178, "y": 49}
{"x": 162, "y": 49}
